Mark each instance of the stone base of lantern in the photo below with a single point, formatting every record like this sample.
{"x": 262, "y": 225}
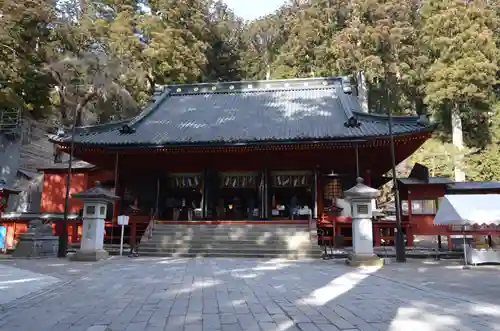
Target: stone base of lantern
{"x": 88, "y": 256}
{"x": 355, "y": 260}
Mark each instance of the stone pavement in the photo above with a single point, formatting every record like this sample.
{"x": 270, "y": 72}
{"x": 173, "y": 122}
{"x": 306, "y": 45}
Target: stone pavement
{"x": 16, "y": 283}
{"x": 257, "y": 295}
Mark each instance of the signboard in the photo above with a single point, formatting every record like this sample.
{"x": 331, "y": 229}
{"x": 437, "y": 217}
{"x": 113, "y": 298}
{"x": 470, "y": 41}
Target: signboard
{"x": 187, "y": 181}
{"x": 122, "y": 220}
{"x": 291, "y": 181}
{"x": 3, "y": 237}
{"x": 239, "y": 181}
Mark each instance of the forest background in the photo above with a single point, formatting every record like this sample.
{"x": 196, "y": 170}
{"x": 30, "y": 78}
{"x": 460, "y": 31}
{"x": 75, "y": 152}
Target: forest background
{"x": 102, "y": 59}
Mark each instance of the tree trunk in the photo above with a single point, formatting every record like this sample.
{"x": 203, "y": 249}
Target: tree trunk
{"x": 91, "y": 94}
{"x": 362, "y": 91}
{"x": 458, "y": 142}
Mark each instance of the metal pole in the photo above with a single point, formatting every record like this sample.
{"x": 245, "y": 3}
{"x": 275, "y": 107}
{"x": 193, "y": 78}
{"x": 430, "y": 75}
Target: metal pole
{"x": 121, "y": 240}
{"x": 399, "y": 238}
{"x": 63, "y": 237}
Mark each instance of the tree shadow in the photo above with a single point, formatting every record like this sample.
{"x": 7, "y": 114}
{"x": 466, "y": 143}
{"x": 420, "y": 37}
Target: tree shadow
{"x": 265, "y": 294}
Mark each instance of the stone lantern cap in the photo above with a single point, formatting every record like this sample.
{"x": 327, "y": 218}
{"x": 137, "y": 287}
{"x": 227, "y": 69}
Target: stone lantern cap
{"x": 96, "y": 193}
{"x": 4, "y": 188}
{"x": 361, "y": 191}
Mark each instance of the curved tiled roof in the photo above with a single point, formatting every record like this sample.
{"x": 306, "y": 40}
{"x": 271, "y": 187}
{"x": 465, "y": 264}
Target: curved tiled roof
{"x": 239, "y": 112}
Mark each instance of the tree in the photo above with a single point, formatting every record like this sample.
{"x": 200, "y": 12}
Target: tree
{"x": 262, "y": 41}
{"x": 173, "y": 44}
{"x": 312, "y": 28}
{"x": 484, "y": 163}
{"x": 379, "y": 40}
{"x": 25, "y": 39}
{"x": 459, "y": 40}
{"x": 225, "y": 42}
{"x": 82, "y": 81}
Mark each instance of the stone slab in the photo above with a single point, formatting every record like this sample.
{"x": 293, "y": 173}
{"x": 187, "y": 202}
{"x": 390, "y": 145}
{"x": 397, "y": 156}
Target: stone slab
{"x": 89, "y": 256}
{"x": 354, "y": 260}
{"x": 99, "y": 328}
{"x": 159, "y": 294}
{"x": 16, "y": 283}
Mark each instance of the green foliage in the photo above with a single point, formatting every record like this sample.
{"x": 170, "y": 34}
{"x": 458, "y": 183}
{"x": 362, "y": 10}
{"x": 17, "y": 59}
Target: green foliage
{"x": 105, "y": 57}
{"x": 459, "y": 38}
{"x": 484, "y": 163}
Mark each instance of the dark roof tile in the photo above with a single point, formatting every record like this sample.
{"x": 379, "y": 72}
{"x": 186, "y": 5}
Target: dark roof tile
{"x": 285, "y": 110}
{"x": 459, "y": 186}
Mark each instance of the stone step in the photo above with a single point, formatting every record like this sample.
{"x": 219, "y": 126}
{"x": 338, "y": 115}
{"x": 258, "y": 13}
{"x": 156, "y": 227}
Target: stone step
{"x": 246, "y": 240}
{"x": 230, "y": 236}
{"x": 153, "y": 241}
{"x": 293, "y": 256}
{"x": 234, "y": 246}
{"x": 231, "y": 252}
{"x": 222, "y": 248}
{"x": 234, "y": 230}
{"x": 230, "y": 227}
{"x": 226, "y": 231}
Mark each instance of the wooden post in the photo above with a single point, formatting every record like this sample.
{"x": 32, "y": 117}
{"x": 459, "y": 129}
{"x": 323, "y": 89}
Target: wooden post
{"x": 409, "y": 228}
{"x": 368, "y": 178}
{"x": 133, "y": 232}
{"x": 357, "y": 161}
{"x": 376, "y": 235}
{"x": 116, "y": 204}
{"x": 409, "y": 235}
{"x": 74, "y": 232}
{"x": 319, "y": 194}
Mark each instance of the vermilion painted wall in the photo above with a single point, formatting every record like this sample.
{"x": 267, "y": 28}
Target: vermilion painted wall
{"x": 54, "y": 192}
{"x": 54, "y": 188}
{"x": 424, "y": 224}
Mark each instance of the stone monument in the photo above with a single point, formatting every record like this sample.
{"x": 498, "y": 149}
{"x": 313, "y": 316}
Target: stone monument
{"x": 95, "y": 204}
{"x": 360, "y": 197}
{"x": 37, "y": 242}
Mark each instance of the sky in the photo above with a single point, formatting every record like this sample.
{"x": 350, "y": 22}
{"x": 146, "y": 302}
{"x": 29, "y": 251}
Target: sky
{"x": 251, "y": 9}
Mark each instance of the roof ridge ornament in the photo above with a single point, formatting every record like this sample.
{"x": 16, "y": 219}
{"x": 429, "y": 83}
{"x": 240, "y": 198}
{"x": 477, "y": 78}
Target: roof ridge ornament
{"x": 352, "y": 122}
{"x": 423, "y": 120}
{"x": 346, "y": 84}
{"x": 127, "y": 129}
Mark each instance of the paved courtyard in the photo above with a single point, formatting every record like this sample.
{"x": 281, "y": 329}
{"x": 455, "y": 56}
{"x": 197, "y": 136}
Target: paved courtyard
{"x": 241, "y": 294}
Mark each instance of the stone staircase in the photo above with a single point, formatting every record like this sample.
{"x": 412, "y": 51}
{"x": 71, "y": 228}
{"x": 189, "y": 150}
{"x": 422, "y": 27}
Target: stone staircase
{"x": 231, "y": 240}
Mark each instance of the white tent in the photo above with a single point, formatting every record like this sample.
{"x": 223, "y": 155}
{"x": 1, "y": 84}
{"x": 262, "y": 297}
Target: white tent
{"x": 469, "y": 209}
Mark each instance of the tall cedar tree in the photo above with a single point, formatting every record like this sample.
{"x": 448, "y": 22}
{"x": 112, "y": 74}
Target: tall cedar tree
{"x": 459, "y": 40}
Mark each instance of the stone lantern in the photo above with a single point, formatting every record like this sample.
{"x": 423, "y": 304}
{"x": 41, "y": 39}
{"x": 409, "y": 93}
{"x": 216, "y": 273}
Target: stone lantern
{"x": 5, "y": 192}
{"x": 360, "y": 197}
{"x": 95, "y": 205}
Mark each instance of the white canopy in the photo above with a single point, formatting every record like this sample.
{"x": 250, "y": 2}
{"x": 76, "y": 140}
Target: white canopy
{"x": 469, "y": 209}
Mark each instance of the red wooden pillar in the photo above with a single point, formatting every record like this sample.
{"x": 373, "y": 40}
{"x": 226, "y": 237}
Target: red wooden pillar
{"x": 319, "y": 194}
{"x": 368, "y": 178}
{"x": 376, "y": 235}
{"x": 116, "y": 205}
{"x": 410, "y": 226}
{"x": 74, "y": 233}
{"x": 409, "y": 235}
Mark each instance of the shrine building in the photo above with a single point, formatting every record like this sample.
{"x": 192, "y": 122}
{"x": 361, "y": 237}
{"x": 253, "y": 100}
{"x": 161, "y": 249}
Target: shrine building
{"x": 268, "y": 151}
